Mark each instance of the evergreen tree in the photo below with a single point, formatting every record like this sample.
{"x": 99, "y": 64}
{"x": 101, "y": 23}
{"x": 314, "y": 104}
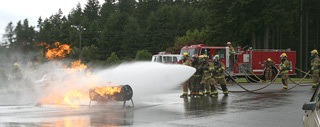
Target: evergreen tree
{"x": 8, "y": 37}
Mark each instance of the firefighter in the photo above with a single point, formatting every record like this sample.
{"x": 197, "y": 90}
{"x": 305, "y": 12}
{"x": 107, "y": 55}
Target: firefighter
{"x": 284, "y": 68}
{"x": 186, "y": 84}
{"x": 195, "y": 78}
{"x": 231, "y": 49}
{"x": 231, "y": 53}
{"x": 315, "y": 62}
{"x": 268, "y": 69}
{"x": 206, "y": 81}
{"x": 16, "y": 71}
{"x": 218, "y": 74}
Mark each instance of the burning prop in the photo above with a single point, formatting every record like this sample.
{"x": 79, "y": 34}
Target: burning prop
{"x": 111, "y": 93}
{"x": 70, "y": 87}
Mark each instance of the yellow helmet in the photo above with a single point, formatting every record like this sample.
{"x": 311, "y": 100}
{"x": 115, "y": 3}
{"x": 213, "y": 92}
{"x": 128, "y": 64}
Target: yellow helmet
{"x": 203, "y": 56}
{"x": 216, "y": 57}
{"x": 16, "y": 64}
{"x": 314, "y": 51}
{"x": 283, "y": 55}
{"x": 185, "y": 54}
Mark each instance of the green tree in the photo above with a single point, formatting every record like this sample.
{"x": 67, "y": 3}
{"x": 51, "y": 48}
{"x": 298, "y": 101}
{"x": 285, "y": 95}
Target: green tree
{"x": 8, "y": 37}
{"x": 25, "y": 35}
{"x": 132, "y": 40}
{"x": 190, "y": 38}
{"x": 143, "y": 55}
{"x": 90, "y": 53}
{"x": 113, "y": 59}
{"x": 91, "y": 25}
{"x": 127, "y": 6}
{"x": 108, "y": 7}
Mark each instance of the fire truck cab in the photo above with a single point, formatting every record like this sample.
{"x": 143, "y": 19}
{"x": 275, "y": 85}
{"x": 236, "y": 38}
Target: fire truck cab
{"x": 164, "y": 57}
{"x": 248, "y": 63}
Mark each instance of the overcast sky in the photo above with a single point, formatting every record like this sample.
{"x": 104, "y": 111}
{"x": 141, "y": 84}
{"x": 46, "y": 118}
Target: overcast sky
{"x": 15, "y": 10}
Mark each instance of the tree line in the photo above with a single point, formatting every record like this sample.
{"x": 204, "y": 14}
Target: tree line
{"x": 125, "y": 27}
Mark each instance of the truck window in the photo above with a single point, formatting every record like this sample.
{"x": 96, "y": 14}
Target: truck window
{"x": 175, "y": 59}
{"x": 170, "y": 59}
{"x": 167, "y": 59}
{"x": 160, "y": 59}
{"x": 205, "y": 51}
{"x": 184, "y": 50}
{"x": 164, "y": 59}
{"x": 221, "y": 53}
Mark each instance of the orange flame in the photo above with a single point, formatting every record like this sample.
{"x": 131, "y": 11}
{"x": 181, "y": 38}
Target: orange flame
{"x": 73, "y": 98}
{"x": 52, "y": 98}
{"x": 72, "y": 95}
{"x": 77, "y": 66}
{"x": 59, "y": 51}
{"x": 107, "y": 90}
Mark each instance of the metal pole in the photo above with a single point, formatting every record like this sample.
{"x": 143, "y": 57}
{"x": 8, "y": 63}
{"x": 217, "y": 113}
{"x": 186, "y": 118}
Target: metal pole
{"x": 301, "y": 38}
{"x": 80, "y": 41}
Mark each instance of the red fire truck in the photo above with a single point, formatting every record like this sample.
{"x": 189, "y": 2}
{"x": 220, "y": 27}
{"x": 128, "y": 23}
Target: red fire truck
{"x": 249, "y": 63}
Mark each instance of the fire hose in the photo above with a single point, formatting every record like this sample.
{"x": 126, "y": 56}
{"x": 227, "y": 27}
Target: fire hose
{"x": 247, "y": 76}
{"x": 307, "y": 73}
{"x": 254, "y": 91}
{"x": 272, "y": 81}
{"x": 303, "y": 71}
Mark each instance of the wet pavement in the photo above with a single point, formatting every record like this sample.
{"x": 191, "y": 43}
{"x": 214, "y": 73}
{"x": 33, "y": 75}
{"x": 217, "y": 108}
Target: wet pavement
{"x": 239, "y": 109}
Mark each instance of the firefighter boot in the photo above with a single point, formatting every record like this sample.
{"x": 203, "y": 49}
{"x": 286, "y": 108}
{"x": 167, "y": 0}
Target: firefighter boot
{"x": 224, "y": 89}
{"x": 214, "y": 91}
{"x": 185, "y": 94}
{"x": 285, "y": 86}
{"x": 201, "y": 90}
{"x": 314, "y": 86}
{"x": 208, "y": 89}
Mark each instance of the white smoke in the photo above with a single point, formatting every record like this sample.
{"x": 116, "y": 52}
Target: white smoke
{"x": 148, "y": 78}
{"x": 145, "y": 78}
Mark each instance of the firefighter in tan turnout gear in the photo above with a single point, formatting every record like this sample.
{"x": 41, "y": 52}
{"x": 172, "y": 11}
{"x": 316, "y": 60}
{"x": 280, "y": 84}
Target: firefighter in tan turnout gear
{"x": 196, "y": 78}
{"x": 284, "y": 68}
{"x": 218, "y": 75}
{"x": 207, "y": 81}
{"x": 186, "y": 85}
{"x": 268, "y": 69}
{"x": 315, "y": 62}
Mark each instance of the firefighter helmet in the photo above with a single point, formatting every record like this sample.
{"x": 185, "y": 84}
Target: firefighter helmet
{"x": 203, "y": 56}
{"x": 216, "y": 57}
{"x": 314, "y": 51}
{"x": 283, "y": 55}
{"x": 229, "y": 43}
{"x": 269, "y": 59}
{"x": 16, "y": 64}
{"x": 185, "y": 54}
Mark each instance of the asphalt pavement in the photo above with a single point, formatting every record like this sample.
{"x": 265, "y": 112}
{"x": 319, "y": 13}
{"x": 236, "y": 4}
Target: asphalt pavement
{"x": 270, "y": 107}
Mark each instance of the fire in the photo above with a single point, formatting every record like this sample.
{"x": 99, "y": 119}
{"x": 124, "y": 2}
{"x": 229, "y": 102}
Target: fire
{"x": 72, "y": 89}
{"x": 73, "y": 98}
{"x": 77, "y": 66}
{"x": 107, "y": 90}
{"x": 59, "y": 51}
